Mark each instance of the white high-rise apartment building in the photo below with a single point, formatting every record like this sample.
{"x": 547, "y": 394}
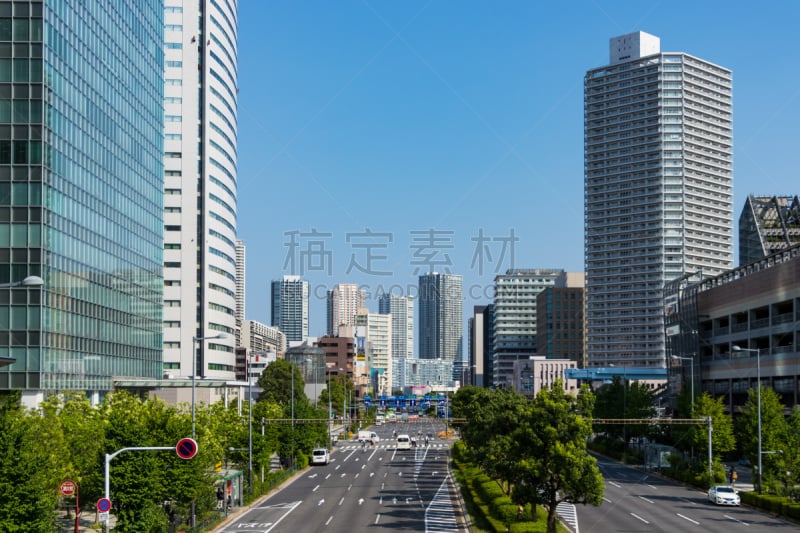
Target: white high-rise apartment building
{"x": 344, "y": 301}
{"x": 378, "y": 343}
{"x": 514, "y": 337}
{"x": 240, "y": 289}
{"x": 290, "y": 307}
{"x": 200, "y": 184}
{"x": 401, "y": 308}
{"x": 658, "y": 190}
{"x": 441, "y": 330}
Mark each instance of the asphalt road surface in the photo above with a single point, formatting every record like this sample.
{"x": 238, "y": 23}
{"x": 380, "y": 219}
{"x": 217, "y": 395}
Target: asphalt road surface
{"x": 637, "y": 501}
{"x": 376, "y": 488}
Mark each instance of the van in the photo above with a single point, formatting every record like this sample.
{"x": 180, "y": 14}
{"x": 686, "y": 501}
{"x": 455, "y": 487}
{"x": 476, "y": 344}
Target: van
{"x": 368, "y": 436}
{"x": 320, "y": 456}
{"x": 403, "y": 442}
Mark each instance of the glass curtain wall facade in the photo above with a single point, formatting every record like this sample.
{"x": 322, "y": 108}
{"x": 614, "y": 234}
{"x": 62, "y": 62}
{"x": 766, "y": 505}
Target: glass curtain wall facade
{"x": 658, "y": 191}
{"x": 81, "y": 196}
{"x": 441, "y": 328}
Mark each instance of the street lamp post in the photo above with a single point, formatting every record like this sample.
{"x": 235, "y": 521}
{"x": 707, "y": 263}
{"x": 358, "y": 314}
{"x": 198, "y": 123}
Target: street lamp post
{"x": 691, "y": 372}
{"x": 757, "y": 351}
{"x": 291, "y": 369}
{"x": 330, "y": 412}
{"x": 195, "y": 340}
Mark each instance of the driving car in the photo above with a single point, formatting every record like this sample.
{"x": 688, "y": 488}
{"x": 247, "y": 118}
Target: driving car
{"x": 724, "y": 495}
{"x": 320, "y": 456}
{"x": 403, "y": 442}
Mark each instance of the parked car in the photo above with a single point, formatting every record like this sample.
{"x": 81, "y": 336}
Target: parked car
{"x": 724, "y": 495}
{"x": 320, "y": 456}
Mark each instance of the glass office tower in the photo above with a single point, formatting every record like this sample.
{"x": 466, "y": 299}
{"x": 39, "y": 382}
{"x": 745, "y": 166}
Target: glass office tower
{"x": 81, "y": 193}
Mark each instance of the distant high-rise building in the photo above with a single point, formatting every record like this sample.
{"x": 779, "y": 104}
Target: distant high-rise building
{"x": 200, "y": 185}
{"x": 378, "y": 344}
{"x": 767, "y": 225}
{"x": 560, "y": 329}
{"x": 402, "y": 310}
{"x": 658, "y": 190}
{"x": 240, "y": 289}
{"x": 441, "y": 331}
{"x": 81, "y": 189}
{"x": 290, "y": 307}
{"x": 480, "y": 346}
{"x": 344, "y": 301}
{"x": 515, "y": 317}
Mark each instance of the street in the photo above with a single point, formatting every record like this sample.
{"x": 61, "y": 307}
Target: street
{"x": 377, "y": 486}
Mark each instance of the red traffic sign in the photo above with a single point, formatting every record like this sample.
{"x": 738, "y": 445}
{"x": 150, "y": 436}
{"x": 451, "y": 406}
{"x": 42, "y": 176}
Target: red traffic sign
{"x": 104, "y": 505}
{"x": 186, "y": 448}
{"x": 67, "y": 487}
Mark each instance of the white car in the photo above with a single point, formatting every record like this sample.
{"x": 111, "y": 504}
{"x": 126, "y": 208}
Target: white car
{"x": 403, "y": 442}
{"x": 320, "y": 456}
{"x": 724, "y": 495}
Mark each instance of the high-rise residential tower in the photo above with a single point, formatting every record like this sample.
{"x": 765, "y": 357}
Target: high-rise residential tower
{"x": 441, "y": 331}
{"x": 200, "y": 184}
{"x": 81, "y": 173}
{"x": 344, "y": 301}
{"x": 240, "y": 289}
{"x": 401, "y": 308}
{"x": 378, "y": 344}
{"x": 658, "y": 193}
{"x": 515, "y": 317}
{"x": 290, "y": 307}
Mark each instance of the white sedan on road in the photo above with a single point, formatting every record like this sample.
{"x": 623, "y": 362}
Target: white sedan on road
{"x": 723, "y": 495}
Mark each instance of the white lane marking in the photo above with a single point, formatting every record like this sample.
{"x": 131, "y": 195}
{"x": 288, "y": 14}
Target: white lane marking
{"x": 290, "y": 509}
{"x": 312, "y": 476}
{"x": 356, "y": 476}
{"x": 321, "y": 502}
{"x": 377, "y": 518}
{"x": 341, "y": 501}
{"x": 695, "y": 522}
{"x": 328, "y": 521}
{"x": 315, "y": 489}
{"x": 645, "y": 499}
{"x": 349, "y": 487}
{"x": 736, "y": 520}
{"x": 640, "y": 518}
{"x": 360, "y": 501}
{"x": 653, "y": 487}
{"x": 607, "y": 500}
{"x": 614, "y": 484}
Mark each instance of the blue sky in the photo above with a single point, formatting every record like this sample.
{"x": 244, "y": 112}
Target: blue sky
{"x": 379, "y": 138}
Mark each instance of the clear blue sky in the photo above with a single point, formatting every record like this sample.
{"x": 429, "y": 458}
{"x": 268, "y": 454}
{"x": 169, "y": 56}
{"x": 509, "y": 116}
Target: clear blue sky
{"x": 443, "y": 127}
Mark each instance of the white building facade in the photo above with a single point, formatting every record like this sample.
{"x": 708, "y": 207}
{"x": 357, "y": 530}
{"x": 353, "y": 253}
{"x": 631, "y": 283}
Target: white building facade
{"x": 378, "y": 343}
{"x": 200, "y": 184}
{"x": 290, "y": 307}
{"x": 658, "y": 194}
{"x": 344, "y": 301}
{"x": 401, "y": 309}
{"x": 441, "y": 328}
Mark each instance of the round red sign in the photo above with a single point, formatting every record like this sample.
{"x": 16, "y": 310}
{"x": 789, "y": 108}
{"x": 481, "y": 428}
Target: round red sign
{"x": 67, "y": 488}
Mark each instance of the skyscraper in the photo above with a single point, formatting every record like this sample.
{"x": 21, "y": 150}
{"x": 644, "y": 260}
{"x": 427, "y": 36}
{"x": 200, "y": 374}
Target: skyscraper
{"x": 200, "y": 184}
{"x": 290, "y": 307}
{"x": 658, "y": 196}
{"x": 344, "y": 301}
{"x": 240, "y": 289}
{"x": 401, "y": 308}
{"x": 378, "y": 344}
{"x": 441, "y": 330}
{"x": 515, "y": 317}
{"x": 81, "y": 173}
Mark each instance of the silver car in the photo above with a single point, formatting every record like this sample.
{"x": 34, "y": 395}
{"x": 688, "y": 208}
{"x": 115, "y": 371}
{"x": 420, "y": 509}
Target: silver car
{"x": 723, "y": 495}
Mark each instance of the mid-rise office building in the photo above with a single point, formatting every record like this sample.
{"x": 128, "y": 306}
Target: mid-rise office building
{"x": 658, "y": 190}
{"x": 200, "y": 186}
{"x": 515, "y": 317}
{"x": 767, "y": 224}
{"x": 401, "y": 308}
{"x": 344, "y": 301}
{"x": 290, "y": 307}
{"x": 81, "y": 170}
{"x": 560, "y": 330}
{"x": 441, "y": 331}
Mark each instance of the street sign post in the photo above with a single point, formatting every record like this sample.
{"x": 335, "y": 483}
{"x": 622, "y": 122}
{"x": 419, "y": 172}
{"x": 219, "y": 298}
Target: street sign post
{"x": 186, "y": 448}
{"x": 104, "y": 505}
{"x": 67, "y": 488}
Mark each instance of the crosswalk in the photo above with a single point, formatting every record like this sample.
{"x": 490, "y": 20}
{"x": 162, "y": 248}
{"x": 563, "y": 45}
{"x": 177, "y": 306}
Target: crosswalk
{"x": 387, "y": 446}
{"x": 569, "y": 515}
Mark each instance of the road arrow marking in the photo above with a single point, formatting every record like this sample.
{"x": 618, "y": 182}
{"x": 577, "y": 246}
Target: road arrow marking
{"x": 312, "y": 476}
{"x": 360, "y": 501}
{"x": 321, "y": 502}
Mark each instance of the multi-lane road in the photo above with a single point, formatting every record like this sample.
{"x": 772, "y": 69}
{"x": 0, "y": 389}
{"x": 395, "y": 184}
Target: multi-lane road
{"x": 376, "y": 487}
{"x": 637, "y": 501}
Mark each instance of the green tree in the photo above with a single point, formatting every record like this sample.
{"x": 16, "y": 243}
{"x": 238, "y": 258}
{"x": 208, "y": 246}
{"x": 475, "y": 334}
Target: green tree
{"x": 276, "y": 383}
{"x": 773, "y": 429}
{"x": 722, "y": 436}
{"x": 33, "y": 461}
{"x": 552, "y": 465}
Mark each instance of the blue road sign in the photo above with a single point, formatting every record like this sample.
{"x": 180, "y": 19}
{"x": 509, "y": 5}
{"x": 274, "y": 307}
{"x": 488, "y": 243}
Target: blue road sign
{"x": 104, "y": 505}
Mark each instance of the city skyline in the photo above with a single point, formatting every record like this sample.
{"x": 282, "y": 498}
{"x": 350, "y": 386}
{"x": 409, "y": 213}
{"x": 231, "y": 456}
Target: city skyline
{"x": 464, "y": 125}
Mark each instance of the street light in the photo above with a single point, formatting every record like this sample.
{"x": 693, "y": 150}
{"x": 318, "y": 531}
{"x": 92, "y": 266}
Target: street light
{"x": 691, "y": 372}
{"x": 757, "y": 351}
{"x": 30, "y": 281}
{"x": 195, "y": 340}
